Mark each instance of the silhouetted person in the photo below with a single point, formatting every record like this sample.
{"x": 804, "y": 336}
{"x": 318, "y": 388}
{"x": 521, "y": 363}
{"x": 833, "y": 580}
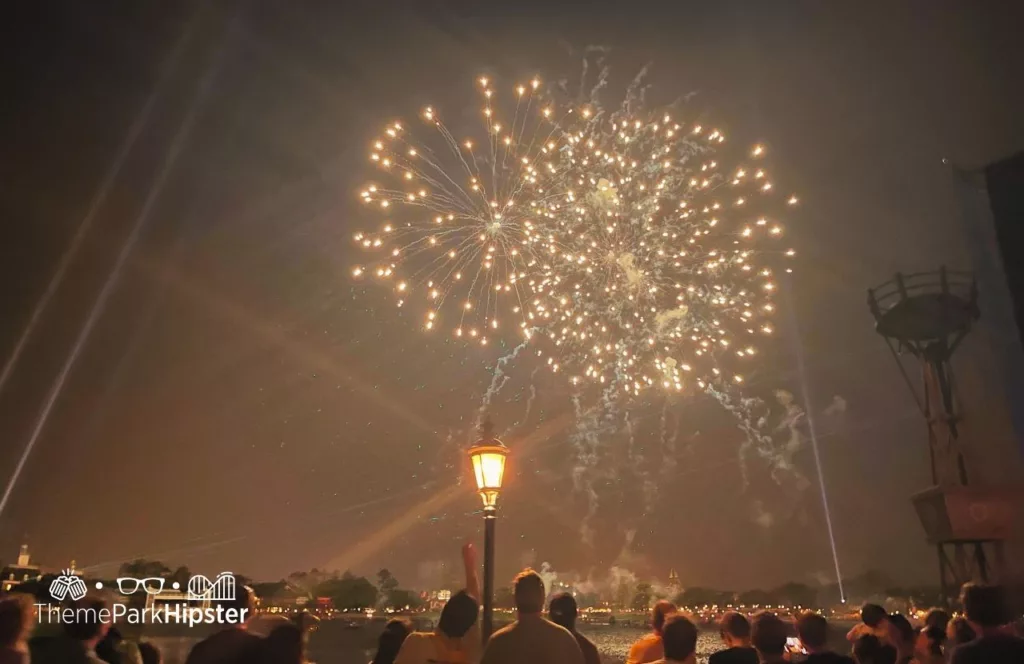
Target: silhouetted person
{"x": 768, "y": 635}
{"x": 937, "y": 618}
{"x": 15, "y": 625}
{"x": 734, "y": 628}
{"x": 149, "y": 653}
{"x": 649, "y": 648}
{"x": 679, "y": 637}
{"x": 812, "y": 630}
{"x": 457, "y": 637}
{"x": 531, "y": 639}
{"x": 77, "y": 644}
{"x": 985, "y": 610}
{"x": 874, "y": 620}
{"x": 114, "y": 649}
{"x": 284, "y": 645}
{"x": 869, "y": 649}
{"x": 928, "y": 645}
{"x": 959, "y": 632}
{"x": 232, "y": 644}
{"x": 391, "y": 640}
{"x": 562, "y": 610}
{"x": 107, "y": 648}
{"x": 903, "y": 632}
{"x": 262, "y": 624}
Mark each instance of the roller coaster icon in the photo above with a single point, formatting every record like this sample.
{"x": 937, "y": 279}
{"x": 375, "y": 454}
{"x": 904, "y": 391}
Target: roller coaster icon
{"x": 220, "y": 589}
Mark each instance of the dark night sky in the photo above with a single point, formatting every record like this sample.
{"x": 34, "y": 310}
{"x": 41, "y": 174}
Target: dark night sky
{"x": 241, "y": 404}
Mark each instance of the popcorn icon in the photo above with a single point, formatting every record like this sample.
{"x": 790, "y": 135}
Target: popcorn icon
{"x": 67, "y": 585}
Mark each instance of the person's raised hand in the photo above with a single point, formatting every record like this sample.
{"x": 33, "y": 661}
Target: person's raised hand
{"x": 468, "y": 552}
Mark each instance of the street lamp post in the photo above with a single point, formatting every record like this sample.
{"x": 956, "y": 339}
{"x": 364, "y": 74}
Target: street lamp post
{"x": 488, "y": 456}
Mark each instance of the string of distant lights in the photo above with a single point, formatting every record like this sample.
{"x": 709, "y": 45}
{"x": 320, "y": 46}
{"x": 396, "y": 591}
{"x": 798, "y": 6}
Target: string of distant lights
{"x": 620, "y": 239}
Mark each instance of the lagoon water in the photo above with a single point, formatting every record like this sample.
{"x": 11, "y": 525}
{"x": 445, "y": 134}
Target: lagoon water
{"x": 614, "y": 642}
{"x": 333, "y": 643}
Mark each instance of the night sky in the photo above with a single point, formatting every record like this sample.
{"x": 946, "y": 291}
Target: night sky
{"x": 242, "y": 404}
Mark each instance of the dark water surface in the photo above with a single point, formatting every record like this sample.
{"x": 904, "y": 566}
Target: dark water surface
{"x": 334, "y": 643}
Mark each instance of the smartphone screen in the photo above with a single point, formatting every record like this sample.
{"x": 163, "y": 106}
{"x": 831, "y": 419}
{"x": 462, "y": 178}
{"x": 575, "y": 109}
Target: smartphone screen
{"x": 794, "y": 645}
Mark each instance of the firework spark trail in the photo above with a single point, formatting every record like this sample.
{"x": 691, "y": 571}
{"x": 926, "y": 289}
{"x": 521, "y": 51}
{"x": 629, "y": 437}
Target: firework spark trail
{"x": 499, "y": 378}
{"x": 141, "y": 120}
{"x": 743, "y": 414}
{"x": 752, "y": 416}
{"x": 614, "y": 231}
{"x": 663, "y": 425}
{"x": 636, "y": 250}
{"x": 668, "y": 443}
{"x": 529, "y": 404}
{"x": 673, "y": 440}
{"x": 630, "y": 440}
{"x": 533, "y": 394}
{"x": 591, "y": 423}
{"x": 602, "y": 75}
{"x": 586, "y": 441}
{"x": 638, "y": 463}
{"x": 177, "y": 144}
{"x": 451, "y": 446}
{"x": 636, "y": 457}
{"x": 789, "y": 425}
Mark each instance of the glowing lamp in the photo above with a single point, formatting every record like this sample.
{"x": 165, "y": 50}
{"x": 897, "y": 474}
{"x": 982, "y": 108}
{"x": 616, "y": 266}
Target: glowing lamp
{"x": 488, "y": 456}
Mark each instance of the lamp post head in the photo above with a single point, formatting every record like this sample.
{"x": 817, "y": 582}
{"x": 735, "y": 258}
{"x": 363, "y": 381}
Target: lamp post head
{"x": 488, "y": 456}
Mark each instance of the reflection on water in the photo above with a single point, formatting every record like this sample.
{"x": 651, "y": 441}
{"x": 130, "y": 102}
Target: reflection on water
{"x": 337, "y": 645}
{"x": 614, "y": 642}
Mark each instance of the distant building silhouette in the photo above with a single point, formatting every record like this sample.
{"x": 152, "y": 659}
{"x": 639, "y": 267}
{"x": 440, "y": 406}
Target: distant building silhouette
{"x": 13, "y": 575}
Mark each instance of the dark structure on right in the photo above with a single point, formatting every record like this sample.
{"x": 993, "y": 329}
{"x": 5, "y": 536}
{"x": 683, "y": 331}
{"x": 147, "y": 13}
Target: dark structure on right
{"x": 927, "y": 316}
{"x": 1003, "y": 183}
{"x": 924, "y": 318}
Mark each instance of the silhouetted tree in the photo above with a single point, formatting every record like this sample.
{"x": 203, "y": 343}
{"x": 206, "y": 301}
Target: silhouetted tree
{"x": 871, "y": 583}
{"x": 181, "y": 575}
{"x": 386, "y": 584}
{"x": 698, "y": 596}
{"x": 140, "y": 568}
{"x": 270, "y": 590}
{"x": 349, "y": 592}
{"x": 307, "y": 582}
{"x": 642, "y": 597}
{"x": 623, "y": 594}
{"x": 400, "y": 598}
{"x": 386, "y": 581}
{"x": 796, "y": 594}
{"x": 756, "y": 598}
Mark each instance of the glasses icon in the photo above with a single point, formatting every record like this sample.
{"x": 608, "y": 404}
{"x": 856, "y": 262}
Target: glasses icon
{"x": 128, "y": 585}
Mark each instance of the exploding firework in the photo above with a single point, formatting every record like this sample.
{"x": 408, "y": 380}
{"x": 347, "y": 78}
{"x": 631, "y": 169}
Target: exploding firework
{"x": 636, "y": 250}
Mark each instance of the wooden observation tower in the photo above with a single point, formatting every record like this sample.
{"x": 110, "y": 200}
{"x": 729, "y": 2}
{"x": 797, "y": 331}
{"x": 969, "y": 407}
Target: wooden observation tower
{"x": 927, "y": 316}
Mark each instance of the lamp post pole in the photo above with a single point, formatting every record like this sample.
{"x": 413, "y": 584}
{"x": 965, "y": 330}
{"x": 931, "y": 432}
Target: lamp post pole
{"x": 488, "y": 622}
{"x": 488, "y": 457}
